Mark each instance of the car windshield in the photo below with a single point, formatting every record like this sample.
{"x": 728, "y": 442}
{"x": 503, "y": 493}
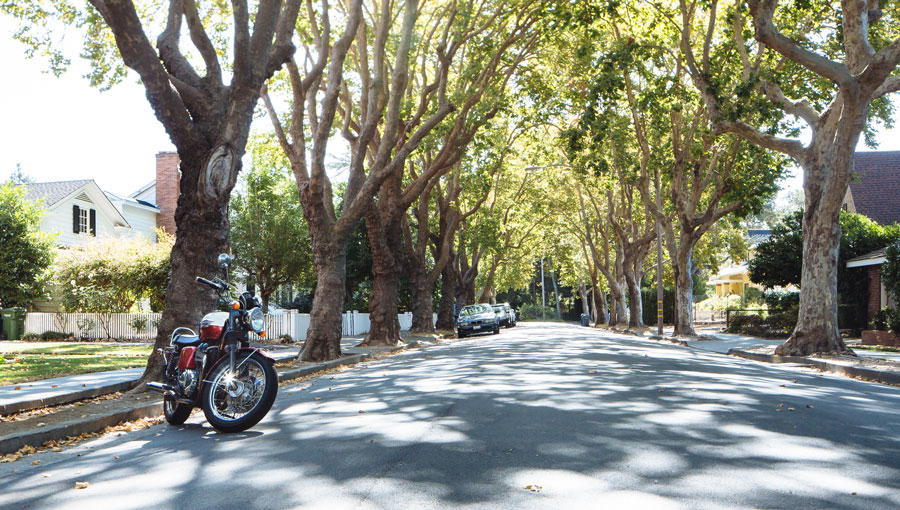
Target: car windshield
{"x": 473, "y": 309}
{"x": 497, "y": 308}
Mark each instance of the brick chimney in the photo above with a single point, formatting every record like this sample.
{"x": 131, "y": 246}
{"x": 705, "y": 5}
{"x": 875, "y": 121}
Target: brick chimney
{"x": 167, "y": 189}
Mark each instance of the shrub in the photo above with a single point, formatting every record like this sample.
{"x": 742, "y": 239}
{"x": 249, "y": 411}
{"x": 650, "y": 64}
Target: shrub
{"x": 745, "y": 324}
{"x": 880, "y": 319}
{"x": 753, "y": 296}
{"x": 534, "y": 312}
{"x": 53, "y": 335}
{"x": 138, "y": 323}
{"x": 782, "y": 301}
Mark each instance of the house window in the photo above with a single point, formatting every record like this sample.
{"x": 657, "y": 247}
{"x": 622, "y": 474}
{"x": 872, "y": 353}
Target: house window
{"x": 83, "y": 221}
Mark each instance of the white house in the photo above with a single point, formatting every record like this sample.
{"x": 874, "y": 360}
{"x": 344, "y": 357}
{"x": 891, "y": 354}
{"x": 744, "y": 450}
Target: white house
{"x": 79, "y": 209}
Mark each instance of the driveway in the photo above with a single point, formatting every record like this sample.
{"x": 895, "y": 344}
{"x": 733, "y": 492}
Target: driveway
{"x": 541, "y": 416}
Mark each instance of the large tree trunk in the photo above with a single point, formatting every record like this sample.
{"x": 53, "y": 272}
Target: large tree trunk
{"x": 446, "y": 320}
{"x": 323, "y": 339}
{"x": 422, "y": 296}
{"x": 601, "y": 311}
{"x": 684, "y": 290}
{"x": 202, "y": 234}
{"x": 385, "y": 238}
{"x": 635, "y": 301}
{"x": 619, "y": 313}
{"x": 817, "y": 323}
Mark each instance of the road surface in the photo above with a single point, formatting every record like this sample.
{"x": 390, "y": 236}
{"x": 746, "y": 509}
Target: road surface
{"x": 540, "y": 416}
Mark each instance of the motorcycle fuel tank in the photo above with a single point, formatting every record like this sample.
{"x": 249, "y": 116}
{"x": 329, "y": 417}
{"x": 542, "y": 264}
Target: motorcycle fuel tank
{"x": 212, "y": 325}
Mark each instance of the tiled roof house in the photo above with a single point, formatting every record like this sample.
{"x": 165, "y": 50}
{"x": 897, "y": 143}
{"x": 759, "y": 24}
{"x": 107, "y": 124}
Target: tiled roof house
{"x": 875, "y": 188}
{"x": 874, "y": 192}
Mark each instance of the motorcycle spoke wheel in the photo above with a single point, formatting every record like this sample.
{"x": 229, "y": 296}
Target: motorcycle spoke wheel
{"x": 233, "y": 402}
{"x": 234, "y": 396}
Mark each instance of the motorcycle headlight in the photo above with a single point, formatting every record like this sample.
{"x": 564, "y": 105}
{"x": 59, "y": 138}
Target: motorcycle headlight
{"x": 257, "y": 320}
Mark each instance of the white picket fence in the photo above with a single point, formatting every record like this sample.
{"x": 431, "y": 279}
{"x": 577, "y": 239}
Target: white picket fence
{"x": 142, "y": 326}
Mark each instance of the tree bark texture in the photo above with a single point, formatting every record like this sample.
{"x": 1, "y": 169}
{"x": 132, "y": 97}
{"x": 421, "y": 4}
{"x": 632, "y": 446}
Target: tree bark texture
{"x": 385, "y": 239}
{"x": 446, "y": 320}
{"x": 684, "y": 290}
{"x": 323, "y": 339}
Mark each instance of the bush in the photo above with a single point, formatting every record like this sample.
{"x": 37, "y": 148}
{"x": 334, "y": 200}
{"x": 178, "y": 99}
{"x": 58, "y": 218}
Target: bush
{"x": 880, "y": 319}
{"x": 744, "y": 323}
{"x": 648, "y": 297}
{"x": 782, "y": 301}
{"x": 138, "y": 323}
{"x": 534, "y": 312}
{"x": 753, "y": 296}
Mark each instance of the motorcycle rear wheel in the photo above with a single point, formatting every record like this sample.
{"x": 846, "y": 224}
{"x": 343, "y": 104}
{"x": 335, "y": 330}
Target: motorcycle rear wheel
{"x": 176, "y": 414}
{"x": 234, "y": 403}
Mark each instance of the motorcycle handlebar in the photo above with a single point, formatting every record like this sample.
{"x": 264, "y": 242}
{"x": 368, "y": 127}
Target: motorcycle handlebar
{"x": 211, "y": 284}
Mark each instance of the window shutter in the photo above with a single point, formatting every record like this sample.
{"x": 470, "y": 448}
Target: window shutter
{"x": 75, "y": 220}
{"x": 93, "y": 221}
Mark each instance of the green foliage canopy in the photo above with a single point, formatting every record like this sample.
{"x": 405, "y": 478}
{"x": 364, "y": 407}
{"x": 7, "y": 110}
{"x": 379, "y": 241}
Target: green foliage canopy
{"x": 25, "y": 252}
{"x": 269, "y": 237}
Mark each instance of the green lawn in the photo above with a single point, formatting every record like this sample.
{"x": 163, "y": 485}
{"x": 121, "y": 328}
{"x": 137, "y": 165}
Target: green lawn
{"x": 884, "y": 348}
{"x": 31, "y": 361}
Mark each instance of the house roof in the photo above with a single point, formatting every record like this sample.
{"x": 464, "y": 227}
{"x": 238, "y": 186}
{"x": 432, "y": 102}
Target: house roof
{"x": 53, "y": 192}
{"x": 142, "y": 189}
{"x": 876, "y": 185}
{"x": 143, "y": 204}
{"x": 869, "y": 259}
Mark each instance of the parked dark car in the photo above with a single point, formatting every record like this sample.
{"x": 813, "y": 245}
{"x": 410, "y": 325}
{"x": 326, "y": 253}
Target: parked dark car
{"x": 477, "y": 319}
{"x": 505, "y": 314}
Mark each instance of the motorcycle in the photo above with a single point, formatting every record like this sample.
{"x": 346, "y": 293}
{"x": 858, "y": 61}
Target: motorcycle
{"x": 217, "y": 370}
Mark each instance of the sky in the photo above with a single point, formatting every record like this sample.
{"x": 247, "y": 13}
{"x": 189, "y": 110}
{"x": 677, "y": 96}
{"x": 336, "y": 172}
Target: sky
{"x": 62, "y": 129}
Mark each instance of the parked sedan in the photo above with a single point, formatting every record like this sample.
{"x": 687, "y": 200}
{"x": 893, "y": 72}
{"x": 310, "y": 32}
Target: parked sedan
{"x": 477, "y": 319}
{"x": 505, "y": 314}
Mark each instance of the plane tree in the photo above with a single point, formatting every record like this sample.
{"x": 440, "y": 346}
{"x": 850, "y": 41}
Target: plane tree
{"x": 826, "y": 67}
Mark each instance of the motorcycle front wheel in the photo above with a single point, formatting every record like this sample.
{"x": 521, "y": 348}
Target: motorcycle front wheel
{"x": 234, "y": 402}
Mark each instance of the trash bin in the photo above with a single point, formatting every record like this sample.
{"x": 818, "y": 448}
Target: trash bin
{"x": 585, "y": 319}
{"x": 13, "y": 322}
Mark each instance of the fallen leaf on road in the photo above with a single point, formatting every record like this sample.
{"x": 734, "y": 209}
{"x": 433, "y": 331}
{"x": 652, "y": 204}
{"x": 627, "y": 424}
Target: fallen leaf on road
{"x": 56, "y": 449}
{"x": 781, "y": 404}
{"x": 592, "y": 371}
{"x": 361, "y": 411}
{"x": 116, "y": 457}
{"x": 82, "y": 485}
{"x": 17, "y": 388}
{"x": 55, "y": 386}
{"x": 782, "y": 385}
{"x": 853, "y": 494}
{"x": 317, "y": 398}
{"x": 791, "y": 409}
{"x": 809, "y": 406}
{"x": 533, "y": 488}
{"x": 36, "y": 463}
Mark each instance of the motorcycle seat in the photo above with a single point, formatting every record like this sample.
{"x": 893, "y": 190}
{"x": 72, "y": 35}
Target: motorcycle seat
{"x": 186, "y": 340}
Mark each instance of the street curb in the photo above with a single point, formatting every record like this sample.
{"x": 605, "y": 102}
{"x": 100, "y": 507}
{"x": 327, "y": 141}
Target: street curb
{"x": 11, "y": 443}
{"x": 871, "y": 374}
{"x": 66, "y": 398}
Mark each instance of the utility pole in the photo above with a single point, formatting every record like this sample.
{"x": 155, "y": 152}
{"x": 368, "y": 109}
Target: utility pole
{"x": 543, "y": 299}
{"x": 659, "y": 262}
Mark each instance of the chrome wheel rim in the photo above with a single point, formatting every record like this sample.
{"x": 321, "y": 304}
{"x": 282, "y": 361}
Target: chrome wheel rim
{"x": 233, "y": 397}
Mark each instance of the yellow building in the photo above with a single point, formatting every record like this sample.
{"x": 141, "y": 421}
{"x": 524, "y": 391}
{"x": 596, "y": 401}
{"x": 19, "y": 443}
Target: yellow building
{"x": 732, "y": 280}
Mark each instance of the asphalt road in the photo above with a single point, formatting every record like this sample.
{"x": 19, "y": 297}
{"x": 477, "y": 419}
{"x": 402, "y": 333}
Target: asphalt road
{"x": 542, "y": 416}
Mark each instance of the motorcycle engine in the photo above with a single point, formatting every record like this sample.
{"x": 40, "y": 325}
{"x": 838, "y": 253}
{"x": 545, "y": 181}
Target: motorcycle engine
{"x": 187, "y": 380}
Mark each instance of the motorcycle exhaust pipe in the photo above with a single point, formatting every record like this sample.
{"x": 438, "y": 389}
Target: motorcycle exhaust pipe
{"x": 160, "y": 387}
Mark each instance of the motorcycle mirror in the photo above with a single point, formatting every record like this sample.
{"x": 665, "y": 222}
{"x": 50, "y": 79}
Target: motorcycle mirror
{"x": 224, "y": 261}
